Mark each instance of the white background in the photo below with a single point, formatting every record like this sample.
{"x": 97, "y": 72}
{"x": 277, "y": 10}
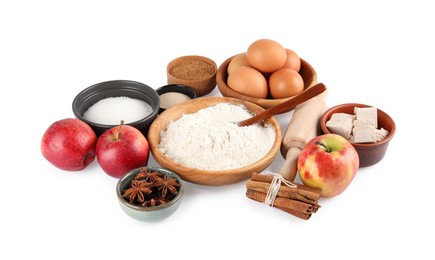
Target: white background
{"x": 375, "y": 52}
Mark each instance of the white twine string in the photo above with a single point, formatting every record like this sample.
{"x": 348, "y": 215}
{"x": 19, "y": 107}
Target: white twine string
{"x": 274, "y": 187}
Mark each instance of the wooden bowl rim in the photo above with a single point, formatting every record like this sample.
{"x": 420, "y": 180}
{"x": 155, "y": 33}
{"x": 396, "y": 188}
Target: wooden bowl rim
{"x": 182, "y": 170}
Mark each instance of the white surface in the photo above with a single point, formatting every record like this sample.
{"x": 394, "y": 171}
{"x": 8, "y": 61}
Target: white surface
{"x": 375, "y": 52}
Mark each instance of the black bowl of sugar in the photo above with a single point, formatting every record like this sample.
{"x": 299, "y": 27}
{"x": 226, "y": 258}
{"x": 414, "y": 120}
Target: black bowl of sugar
{"x": 173, "y": 94}
{"x": 103, "y": 105}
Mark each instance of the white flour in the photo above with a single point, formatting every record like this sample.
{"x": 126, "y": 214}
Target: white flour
{"x": 209, "y": 140}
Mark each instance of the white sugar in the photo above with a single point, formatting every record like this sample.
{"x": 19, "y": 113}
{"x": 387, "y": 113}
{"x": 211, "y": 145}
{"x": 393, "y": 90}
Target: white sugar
{"x": 111, "y": 110}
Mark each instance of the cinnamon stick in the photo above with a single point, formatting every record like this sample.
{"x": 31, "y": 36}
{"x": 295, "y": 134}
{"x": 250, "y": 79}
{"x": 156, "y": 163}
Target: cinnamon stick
{"x": 284, "y": 191}
{"x": 301, "y": 201}
{"x": 309, "y": 193}
{"x": 294, "y": 207}
{"x": 283, "y": 202}
{"x": 301, "y": 215}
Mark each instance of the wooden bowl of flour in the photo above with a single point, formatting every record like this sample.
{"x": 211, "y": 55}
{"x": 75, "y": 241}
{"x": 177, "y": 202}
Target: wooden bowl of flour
{"x": 209, "y": 177}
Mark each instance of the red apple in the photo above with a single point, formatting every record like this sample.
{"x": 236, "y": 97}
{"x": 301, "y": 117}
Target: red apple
{"x": 328, "y": 162}
{"x": 69, "y": 144}
{"x": 121, "y": 149}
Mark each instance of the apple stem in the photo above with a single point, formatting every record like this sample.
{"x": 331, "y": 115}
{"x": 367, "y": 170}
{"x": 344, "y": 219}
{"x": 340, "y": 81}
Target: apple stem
{"x": 119, "y": 131}
{"x": 324, "y": 146}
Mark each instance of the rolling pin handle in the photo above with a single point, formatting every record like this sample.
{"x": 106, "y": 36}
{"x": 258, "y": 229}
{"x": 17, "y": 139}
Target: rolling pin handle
{"x": 289, "y": 168}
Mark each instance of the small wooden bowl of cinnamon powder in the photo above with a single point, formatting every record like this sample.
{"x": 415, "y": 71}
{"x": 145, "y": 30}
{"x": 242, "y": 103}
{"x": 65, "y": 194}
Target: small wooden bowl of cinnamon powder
{"x": 196, "y": 72}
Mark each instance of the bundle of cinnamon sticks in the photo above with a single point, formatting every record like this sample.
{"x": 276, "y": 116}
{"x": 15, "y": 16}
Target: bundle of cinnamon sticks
{"x": 300, "y": 201}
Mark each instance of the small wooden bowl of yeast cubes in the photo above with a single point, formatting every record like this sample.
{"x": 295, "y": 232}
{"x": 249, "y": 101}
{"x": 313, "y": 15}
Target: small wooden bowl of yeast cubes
{"x": 199, "y": 140}
{"x": 370, "y": 141}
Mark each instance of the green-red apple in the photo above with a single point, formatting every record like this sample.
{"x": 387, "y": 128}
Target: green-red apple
{"x": 328, "y": 162}
{"x": 121, "y": 149}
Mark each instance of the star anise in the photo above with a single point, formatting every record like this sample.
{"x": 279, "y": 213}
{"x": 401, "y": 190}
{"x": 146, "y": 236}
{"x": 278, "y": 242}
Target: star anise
{"x": 153, "y": 177}
{"x": 166, "y": 184}
{"x": 156, "y": 201}
{"x": 137, "y": 191}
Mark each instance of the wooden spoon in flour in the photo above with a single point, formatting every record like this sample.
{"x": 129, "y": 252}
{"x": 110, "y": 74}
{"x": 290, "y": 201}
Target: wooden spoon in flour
{"x": 291, "y": 103}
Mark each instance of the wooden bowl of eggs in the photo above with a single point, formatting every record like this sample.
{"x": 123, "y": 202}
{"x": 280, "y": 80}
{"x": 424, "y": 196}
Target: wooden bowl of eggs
{"x": 199, "y": 140}
{"x": 253, "y": 76}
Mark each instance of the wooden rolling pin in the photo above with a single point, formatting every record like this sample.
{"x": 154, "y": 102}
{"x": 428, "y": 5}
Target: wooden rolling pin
{"x": 303, "y": 126}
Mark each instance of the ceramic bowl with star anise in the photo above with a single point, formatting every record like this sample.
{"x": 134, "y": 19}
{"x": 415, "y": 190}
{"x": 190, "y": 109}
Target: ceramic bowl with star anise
{"x": 150, "y": 193}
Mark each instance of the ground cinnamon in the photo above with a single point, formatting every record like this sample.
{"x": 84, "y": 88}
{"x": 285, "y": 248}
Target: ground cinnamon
{"x": 192, "y": 70}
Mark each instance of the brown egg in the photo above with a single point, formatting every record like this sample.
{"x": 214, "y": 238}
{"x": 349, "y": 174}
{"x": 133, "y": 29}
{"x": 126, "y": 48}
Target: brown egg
{"x": 285, "y": 83}
{"x": 248, "y": 81}
{"x": 237, "y": 61}
{"x": 266, "y": 55}
{"x": 293, "y": 61}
